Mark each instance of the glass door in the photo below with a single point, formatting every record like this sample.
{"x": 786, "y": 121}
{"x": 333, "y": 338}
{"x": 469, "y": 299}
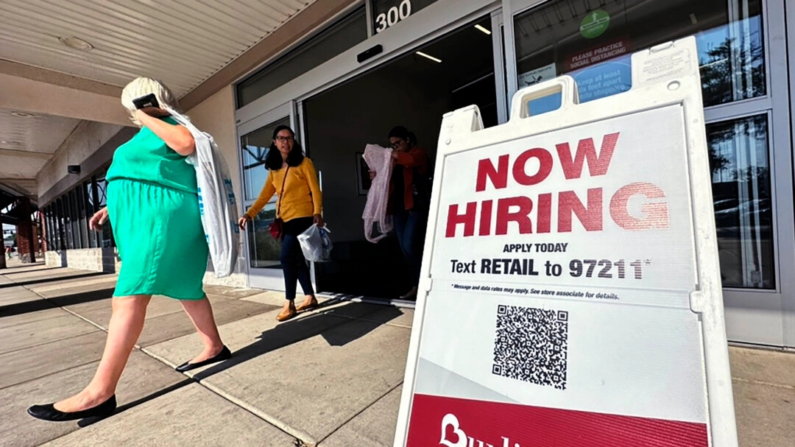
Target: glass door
{"x": 262, "y": 251}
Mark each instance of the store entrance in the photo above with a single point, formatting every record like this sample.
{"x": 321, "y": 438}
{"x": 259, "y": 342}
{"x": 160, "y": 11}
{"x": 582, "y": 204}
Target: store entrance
{"x": 414, "y": 91}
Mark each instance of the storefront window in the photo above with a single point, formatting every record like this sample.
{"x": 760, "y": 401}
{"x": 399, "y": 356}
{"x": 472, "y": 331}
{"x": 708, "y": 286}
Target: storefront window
{"x": 88, "y": 194}
{"x": 75, "y": 213}
{"x": 741, "y": 185}
{"x": 254, "y": 147}
{"x": 53, "y": 235}
{"x": 593, "y": 43}
{"x": 63, "y": 205}
{"x": 67, "y": 215}
{"x": 80, "y": 198}
{"x": 106, "y": 236}
{"x": 69, "y": 210}
{"x": 62, "y": 225}
{"x": 264, "y": 250}
{"x": 337, "y": 39}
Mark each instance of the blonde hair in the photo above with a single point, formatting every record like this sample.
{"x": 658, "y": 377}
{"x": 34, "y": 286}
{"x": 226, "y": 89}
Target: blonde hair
{"x": 144, "y": 86}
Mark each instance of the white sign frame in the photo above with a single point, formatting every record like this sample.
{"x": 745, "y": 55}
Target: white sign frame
{"x": 662, "y": 76}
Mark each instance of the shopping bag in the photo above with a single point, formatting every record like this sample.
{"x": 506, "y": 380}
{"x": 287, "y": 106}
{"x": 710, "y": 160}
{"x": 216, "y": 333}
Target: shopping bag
{"x": 216, "y": 198}
{"x": 316, "y": 244}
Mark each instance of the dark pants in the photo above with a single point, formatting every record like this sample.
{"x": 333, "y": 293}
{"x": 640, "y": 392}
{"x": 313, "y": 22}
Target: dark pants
{"x": 294, "y": 264}
{"x": 410, "y": 229}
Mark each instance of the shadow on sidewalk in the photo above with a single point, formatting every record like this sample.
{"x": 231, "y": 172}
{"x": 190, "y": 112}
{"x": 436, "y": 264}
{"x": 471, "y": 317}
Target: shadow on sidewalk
{"x": 303, "y": 328}
{"x": 8, "y": 272}
{"x": 46, "y": 280}
{"x": 319, "y": 323}
{"x": 51, "y": 303}
{"x": 82, "y": 423}
{"x": 33, "y": 264}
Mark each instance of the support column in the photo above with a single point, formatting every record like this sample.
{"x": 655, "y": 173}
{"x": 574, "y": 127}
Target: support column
{"x": 26, "y": 237}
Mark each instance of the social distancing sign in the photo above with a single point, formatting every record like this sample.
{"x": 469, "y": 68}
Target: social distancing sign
{"x": 571, "y": 293}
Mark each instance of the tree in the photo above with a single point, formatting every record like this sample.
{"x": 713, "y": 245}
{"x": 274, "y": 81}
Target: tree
{"x": 717, "y": 162}
{"x": 719, "y": 79}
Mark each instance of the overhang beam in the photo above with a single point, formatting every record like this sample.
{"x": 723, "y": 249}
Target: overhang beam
{"x": 38, "y": 91}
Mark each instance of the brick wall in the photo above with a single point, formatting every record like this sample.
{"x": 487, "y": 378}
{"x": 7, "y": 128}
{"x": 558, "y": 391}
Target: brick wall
{"x": 91, "y": 259}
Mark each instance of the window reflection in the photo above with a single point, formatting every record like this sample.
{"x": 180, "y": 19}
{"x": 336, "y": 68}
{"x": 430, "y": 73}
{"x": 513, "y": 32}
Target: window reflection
{"x": 67, "y": 217}
{"x": 106, "y": 235}
{"x": 731, "y": 59}
{"x": 61, "y": 224}
{"x": 88, "y": 191}
{"x": 76, "y": 233}
{"x": 82, "y": 220}
{"x": 264, "y": 250}
{"x": 741, "y": 188}
{"x": 338, "y": 38}
{"x": 68, "y": 222}
{"x": 254, "y": 147}
{"x": 560, "y": 38}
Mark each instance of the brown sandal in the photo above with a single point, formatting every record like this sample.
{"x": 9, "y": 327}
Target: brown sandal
{"x": 286, "y": 315}
{"x": 312, "y": 304}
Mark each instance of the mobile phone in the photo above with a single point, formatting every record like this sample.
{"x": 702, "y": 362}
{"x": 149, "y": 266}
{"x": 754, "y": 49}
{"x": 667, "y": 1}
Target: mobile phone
{"x": 149, "y": 100}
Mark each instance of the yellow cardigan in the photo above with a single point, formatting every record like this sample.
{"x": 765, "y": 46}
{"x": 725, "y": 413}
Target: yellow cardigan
{"x": 302, "y": 196}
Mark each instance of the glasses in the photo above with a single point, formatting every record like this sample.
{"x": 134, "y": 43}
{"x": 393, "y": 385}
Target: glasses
{"x": 284, "y": 139}
{"x": 396, "y": 144}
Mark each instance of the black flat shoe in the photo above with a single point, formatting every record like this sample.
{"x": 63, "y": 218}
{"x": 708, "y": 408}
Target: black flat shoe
{"x": 49, "y": 413}
{"x": 225, "y": 354}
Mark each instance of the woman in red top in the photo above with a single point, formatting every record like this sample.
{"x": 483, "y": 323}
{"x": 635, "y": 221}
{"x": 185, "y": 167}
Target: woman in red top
{"x": 409, "y": 199}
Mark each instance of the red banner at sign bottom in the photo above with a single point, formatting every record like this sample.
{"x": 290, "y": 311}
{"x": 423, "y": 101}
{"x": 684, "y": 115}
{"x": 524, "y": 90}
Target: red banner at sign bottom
{"x": 442, "y": 421}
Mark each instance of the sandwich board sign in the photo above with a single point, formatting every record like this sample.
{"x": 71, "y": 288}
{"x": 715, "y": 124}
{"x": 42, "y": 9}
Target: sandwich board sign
{"x": 570, "y": 291}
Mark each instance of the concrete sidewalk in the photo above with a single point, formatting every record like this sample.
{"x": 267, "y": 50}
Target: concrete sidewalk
{"x": 331, "y": 377}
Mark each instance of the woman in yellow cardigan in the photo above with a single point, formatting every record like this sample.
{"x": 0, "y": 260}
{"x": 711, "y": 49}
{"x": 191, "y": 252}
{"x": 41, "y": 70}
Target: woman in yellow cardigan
{"x": 292, "y": 176}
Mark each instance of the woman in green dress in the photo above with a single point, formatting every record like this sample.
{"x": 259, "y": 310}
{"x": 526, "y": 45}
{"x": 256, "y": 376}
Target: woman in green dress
{"x": 153, "y": 208}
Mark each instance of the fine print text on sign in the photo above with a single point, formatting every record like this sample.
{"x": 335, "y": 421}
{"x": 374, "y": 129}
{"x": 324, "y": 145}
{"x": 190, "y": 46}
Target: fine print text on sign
{"x": 563, "y": 265}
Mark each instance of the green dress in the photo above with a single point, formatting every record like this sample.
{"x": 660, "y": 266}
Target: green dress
{"x": 153, "y": 208}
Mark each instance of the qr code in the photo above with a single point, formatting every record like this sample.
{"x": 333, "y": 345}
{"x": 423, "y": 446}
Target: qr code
{"x": 531, "y": 345}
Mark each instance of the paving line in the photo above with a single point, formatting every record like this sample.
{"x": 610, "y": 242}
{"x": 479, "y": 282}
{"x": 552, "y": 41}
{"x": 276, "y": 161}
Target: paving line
{"x": 301, "y": 435}
{"x": 47, "y": 343}
{"x": 759, "y": 382}
{"x": 363, "y": 410}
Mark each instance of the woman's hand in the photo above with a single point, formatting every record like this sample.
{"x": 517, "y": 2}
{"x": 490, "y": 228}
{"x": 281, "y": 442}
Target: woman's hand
{"x": 319, "y": 221}
{"x": 177, "y": 137}
{"x": 372, "y": 174}
{"x": 98, "y": 219}
{"x": 156, "y": 112}
{"x": 242, "y": 221}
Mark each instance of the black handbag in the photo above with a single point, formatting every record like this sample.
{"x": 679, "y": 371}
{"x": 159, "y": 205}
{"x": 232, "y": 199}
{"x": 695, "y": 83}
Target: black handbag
{"x": 277, "y": 226}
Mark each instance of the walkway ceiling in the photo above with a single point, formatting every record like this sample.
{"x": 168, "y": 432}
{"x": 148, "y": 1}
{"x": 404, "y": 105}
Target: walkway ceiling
{"x": 63, "y": 62}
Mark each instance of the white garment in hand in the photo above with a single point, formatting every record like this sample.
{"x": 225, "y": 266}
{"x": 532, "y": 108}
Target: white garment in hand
{"x": 378, "y": 159}
{"x": 217, "y": 205}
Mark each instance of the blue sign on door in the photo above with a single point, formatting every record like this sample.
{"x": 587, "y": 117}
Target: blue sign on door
{"x": 604, "y": 79}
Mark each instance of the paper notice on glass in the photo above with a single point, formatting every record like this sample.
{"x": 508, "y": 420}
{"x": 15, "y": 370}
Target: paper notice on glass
{"x": 538, "y": 75}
